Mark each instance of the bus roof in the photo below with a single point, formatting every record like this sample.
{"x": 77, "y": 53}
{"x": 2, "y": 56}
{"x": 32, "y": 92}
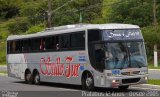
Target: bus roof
{"x": 73, "y": 28}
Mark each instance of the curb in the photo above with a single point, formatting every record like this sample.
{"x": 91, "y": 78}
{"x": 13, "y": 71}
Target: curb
{"x": 3, "y": 68}
{"x": 151, "y": 85}
{"x": 154, "y": 69}
{"x": 3, "y": 74}
{"x": 147, "y": 86}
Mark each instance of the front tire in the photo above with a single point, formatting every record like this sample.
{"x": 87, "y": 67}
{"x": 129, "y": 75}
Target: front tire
{"x": 36, "y": 78}
{"x": 88, "y": 82}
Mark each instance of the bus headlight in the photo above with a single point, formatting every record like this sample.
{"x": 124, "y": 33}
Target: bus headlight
{"x": 146, "y": 78}
{"x": 113, "y": 81}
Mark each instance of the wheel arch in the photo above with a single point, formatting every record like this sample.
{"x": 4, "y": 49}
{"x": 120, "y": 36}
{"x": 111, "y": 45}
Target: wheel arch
{"x": 34, "y": 71}
{"x": 27, "y": 70}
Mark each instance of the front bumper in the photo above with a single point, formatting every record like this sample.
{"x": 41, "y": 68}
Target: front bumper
{"x": 117, "y": 81}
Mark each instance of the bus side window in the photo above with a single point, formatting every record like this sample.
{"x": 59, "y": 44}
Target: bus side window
{"x": 26, "y": 45}
{"x": 65, "y": 41}
{"x": 35, "y": 42}
{"x": 13, "y": 46}
{"x": 50, "y": 43}
{"x": 57, "y": 42}
{"x": 42, "y": 46}
{"x": 18, "y": 45}
{"x": 96, "y": 53}
{"x": 94, "y": 35}
{"x": 53, "y": 43}
{"x": 8, "y": 47}
{"x": 78, "y": 40}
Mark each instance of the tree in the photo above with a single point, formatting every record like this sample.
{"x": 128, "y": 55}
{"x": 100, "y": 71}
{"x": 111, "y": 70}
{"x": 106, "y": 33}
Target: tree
{"x": 137, "y": 12}
{"x": 9, "y": 8}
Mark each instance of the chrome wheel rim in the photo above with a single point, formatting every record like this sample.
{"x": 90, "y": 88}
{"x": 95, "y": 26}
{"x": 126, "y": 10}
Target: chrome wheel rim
{"x": 28, "y": 77}
{"x": 37, "y": 79}
{"x": 89, "y": 81}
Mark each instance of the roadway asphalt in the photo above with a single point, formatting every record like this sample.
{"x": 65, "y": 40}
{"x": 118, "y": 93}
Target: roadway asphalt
{"x": 154, "y": 73}
{"x": 17, "y": 88}
{"x": 10, "y": 87}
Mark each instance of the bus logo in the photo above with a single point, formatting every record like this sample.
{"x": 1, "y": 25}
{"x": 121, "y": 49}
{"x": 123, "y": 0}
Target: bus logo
{"x": 58, "y": 68}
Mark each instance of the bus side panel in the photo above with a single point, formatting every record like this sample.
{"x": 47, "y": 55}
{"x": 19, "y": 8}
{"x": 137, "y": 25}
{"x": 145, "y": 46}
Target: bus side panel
{"x": 16, "y": 65}
{"x": 60, "y": 67}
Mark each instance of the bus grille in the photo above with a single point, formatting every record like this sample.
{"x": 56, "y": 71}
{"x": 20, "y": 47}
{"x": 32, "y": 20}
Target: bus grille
{"x": 132, "y": 80}
{"x": 130, "y": 73}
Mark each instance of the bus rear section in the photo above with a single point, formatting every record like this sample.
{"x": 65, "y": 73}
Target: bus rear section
{"x": 58, "y": 58}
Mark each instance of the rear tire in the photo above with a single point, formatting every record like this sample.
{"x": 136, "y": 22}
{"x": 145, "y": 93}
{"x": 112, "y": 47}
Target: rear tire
{"x": 88, "y": 82}
{"x": 28, "y": 77}
{"x": 36, "y": 78}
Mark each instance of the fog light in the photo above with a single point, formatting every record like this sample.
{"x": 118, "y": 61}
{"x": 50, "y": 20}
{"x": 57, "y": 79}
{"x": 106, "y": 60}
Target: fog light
{"x": 113, "y": 81}
{"x": 146, "y": 78}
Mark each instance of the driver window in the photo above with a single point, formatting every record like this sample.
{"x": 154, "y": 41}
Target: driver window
{"x": 99, "y": 56}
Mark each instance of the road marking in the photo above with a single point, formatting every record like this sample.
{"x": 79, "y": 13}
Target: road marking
{"x": 67, "y": 89}
{"x": 152, "y": 85}
{"x": 145, "y": 88}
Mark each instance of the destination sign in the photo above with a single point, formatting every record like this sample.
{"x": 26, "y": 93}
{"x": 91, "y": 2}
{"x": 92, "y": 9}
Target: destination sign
{"x": 122, "y": 34}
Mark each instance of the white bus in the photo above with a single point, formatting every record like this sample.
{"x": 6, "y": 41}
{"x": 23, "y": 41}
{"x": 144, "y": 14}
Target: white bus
{"x": 91, "y": 55}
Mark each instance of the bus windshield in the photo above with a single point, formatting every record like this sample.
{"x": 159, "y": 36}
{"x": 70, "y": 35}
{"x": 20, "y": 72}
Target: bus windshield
{"x": 120, "y": 55}
{"x": 117, "y": 49}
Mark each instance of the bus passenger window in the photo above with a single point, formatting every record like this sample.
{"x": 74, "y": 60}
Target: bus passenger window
{"x": 65, "y": 41}
{"x": 18, "y": 47}
{"x": 94, "y": 35}
{"x": 26, "y": 45}
{"x": 50, "y": 43}
{"x": 78, "y": 40}
{"x": 57, "y": 42}
{"x": 13, "y": 46}
{"x": 8, "y": 47}
{"x": 42, "y": 45}
{"x": 35, "y": 44}
{"x": 57, "y": 46}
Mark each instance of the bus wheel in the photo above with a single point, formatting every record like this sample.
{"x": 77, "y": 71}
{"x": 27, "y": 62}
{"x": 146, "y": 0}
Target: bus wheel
{"x": 36, "y": 78}
{"x": 28, "y": 77}
{"x": 88, "y": 82}
{"x": 123, "y": 87}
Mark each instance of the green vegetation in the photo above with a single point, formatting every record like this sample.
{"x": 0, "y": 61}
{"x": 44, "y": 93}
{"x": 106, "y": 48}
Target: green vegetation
{"x": 3, "y": 72}
{"x": 154, "y": 81}
{"x": 36, "y": 28}
{"x": 30, "y": 16}
{"x": 2, "y": 64}
{"x": 151, "y": 66}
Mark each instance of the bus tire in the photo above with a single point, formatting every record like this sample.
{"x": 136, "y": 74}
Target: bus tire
{"x": 28, "y": 77}
{"x": 88, "y": 82}
{"x": 123, "y": 87}
{"x": 36, "y": 78}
